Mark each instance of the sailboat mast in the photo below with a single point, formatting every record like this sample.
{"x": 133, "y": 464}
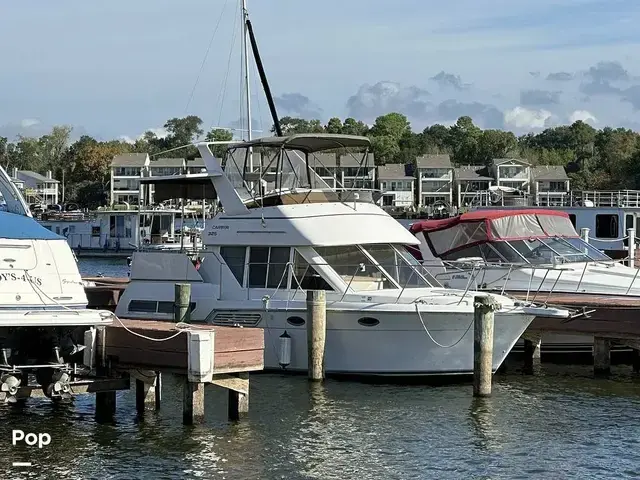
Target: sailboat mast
{"x": 245, "y": 37}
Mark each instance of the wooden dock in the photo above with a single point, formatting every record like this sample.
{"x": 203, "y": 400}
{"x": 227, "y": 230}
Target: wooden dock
{"x": 145, "y": 349}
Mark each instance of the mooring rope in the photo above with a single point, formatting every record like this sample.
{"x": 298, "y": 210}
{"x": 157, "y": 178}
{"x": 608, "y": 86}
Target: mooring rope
{"x": 424, "y": 326}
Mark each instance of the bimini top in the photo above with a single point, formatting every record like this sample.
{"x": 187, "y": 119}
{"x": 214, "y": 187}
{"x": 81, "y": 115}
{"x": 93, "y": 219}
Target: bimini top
{"x": 21, "y": 227}
{"x": 493, "y": 225}
{"x": 308, "y": 142}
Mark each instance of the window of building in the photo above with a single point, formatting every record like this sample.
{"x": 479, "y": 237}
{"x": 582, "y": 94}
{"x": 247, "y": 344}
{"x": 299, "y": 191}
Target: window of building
{"x": 607, "y": 226}
{"x": 234, "y": 257}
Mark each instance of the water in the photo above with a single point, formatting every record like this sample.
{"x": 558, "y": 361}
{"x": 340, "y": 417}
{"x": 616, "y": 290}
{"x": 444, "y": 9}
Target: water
{"x": 109, "y": 267}
{"x": 560, "y": 424}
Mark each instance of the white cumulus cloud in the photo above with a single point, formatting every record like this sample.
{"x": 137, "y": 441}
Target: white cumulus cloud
{"x": 29, "y": 122}
{"x": 520, "y": 117}
{"x": 583, "y": 115}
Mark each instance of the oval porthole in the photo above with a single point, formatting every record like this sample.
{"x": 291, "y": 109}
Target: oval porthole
{"x": 295, "y": 321}
{"x": 368, "y": 321}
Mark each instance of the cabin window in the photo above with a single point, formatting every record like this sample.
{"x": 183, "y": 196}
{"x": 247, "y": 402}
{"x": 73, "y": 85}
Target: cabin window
{"x": 142, "y": 306}
{"x": 572, "y": 219}
{"x": 607, "y": 226}
{"x": 395, "y": 264}
{"x": 116, "y": 226}
{"x": 355, "y": 268}
{"x": 278, "y": 260}
{"x": 306, "y": 277}
{"x": 234, "y": 257}
{"x": 267, "y": 266}
{"x": 95, "y": 231}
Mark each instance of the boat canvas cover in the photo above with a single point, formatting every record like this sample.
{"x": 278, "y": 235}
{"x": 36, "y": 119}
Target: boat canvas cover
{"x": 482, "y": 226}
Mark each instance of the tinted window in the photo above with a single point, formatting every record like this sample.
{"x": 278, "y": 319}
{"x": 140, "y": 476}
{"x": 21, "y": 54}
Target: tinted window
{"x": 258, "y": 262}
{"x": 234, "y": 258}
{"x": 278, "y": 259}
{"x": 606, "y": 226}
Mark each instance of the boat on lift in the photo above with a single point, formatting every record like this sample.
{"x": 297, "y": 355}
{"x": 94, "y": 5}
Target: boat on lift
{"x": 43, "y": 314}
{"x": 283, "y": 232}
{"x": 533, "y": 254}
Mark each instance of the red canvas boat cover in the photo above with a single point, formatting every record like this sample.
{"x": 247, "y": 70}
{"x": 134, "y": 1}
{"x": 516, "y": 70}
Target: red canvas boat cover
{"x": 483, "y": 226}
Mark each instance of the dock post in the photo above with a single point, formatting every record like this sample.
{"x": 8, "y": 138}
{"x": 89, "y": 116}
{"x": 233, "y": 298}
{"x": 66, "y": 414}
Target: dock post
{"x": 105, "y": 401}
{"x": 632, "y": 246}
{"x": 182, "y": 302}
{"x": 192, "y": 402}
{"x": 532, "y": 344}
{"x": 147, "y": 393}
{"x": 584, "y": 234}
{"x": 239, "y": 402}
{"x": 316, "y": 333}
{"x": 483, "y": 308}
{"x": 601, "y": 356}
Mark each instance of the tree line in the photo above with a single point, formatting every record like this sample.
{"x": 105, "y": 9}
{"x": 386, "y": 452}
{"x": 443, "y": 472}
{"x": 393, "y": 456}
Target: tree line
{"x": 607, "y": 158}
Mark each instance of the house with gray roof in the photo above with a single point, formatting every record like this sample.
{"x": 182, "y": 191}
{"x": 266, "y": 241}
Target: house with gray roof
{"x": 471, "y": 181}
{"x": 435, "y": 179}
{"x": 512, "y": 173}
{"x": 126, "y": 171}
{"x": 550, "y": 185}
{"x": 326, "y": 166}
{"x": 35, "y": 187}
{"x": 397, "y": 186}
{"x": 355, "y": 171}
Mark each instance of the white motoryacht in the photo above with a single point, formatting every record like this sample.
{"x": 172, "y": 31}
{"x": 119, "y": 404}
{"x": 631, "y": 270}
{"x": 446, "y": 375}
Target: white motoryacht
{"x": 43, "y": 312}
{"x": 282, "y": 232}
{"x": 535, "y": 254}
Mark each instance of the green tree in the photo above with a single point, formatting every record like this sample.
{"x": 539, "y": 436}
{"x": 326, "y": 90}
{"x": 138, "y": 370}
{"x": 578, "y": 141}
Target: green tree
{"x": 352, "y": 126}
{"x": 219, "y": 135}
{"x": 334, "y": 125}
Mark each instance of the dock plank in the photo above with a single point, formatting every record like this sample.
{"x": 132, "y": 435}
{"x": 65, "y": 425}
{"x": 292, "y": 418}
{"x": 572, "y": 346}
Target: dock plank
{"x": 235, "y": 349}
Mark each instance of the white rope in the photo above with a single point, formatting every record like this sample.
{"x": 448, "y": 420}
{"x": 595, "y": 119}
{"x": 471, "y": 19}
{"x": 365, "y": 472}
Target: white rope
{"x": 612, "y": 240}
{"x": 181, "y": 326}
{"x": 431, "y": 336}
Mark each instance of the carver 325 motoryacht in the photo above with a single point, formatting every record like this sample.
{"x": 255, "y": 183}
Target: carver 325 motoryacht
{"x": 282, "y": 232}
{"x": 43, "y": 312}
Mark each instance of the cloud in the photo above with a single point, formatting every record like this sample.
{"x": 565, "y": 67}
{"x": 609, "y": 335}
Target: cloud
{"x": 599, "y": 78}
{"x": 449, "y": 80}
{"x": 584, "y": 116}
{"x": 560, "y": 77}
{"x": 524, "y": 118}
{"x": 632, "y": 95}
{"x": 29, "y": 122}
{"x": 298, "y": 105}
{"x": 485, "y": 116}
{"x": 534, "y": 98}
{"x": 535, "y": 74}
{"x": 159, "y": 132}
{"x": 372, "y": 101}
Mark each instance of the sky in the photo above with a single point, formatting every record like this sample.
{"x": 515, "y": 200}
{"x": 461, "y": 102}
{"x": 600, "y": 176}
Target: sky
{"x": 116, "y": 69}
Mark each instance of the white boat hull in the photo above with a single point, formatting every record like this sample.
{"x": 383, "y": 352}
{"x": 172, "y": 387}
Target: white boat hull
{"x": 55, "y": 318}
{"x": 399, "y": 345}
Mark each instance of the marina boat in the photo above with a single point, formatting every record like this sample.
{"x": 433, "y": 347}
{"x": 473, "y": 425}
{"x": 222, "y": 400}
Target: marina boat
{"x": 120, "y": 231}
{"x": 43, "y": 314}
{"x": 534, "y": 254}
{"x": 607, "y": 216}
{"x": 283, "y": 232}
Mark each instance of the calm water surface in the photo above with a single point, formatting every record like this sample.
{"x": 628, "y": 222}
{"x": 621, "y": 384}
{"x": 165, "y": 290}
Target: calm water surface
{"x": 560, "y": 424}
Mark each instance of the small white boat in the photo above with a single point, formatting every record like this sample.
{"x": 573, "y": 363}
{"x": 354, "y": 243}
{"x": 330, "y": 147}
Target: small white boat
{"x": 43, "y": 314}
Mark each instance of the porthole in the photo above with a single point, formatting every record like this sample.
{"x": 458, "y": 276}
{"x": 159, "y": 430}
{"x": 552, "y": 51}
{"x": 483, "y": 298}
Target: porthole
{"x": 295, "y": 321}
{"x": 368, "y": 321}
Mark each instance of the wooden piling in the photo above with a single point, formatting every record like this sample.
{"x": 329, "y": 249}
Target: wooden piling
{"x": 158, "y": 390}
{"x": 483, "y": 321}
{"x": 193, "y": 402}
{"x": 239, "y": 401}
{"x": 601, "y": 356}
{"x": 105, "y": 401}
{"x": 146, "y": 392}
{"x": 316, "y": 333}
{"x": 532, "y": 343}
{"x": 182, "y": 302}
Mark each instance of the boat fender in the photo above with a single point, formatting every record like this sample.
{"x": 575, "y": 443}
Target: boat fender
{"x": 285, "y": 350}
{"x": 265, "y": 302}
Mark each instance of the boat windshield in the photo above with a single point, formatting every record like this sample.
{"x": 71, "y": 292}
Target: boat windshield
{"x": 535, "y": 251}
{"x": 376, "y": 267}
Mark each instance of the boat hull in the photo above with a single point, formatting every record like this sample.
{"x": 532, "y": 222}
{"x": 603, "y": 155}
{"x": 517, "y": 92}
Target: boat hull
{"x": 400, "y": 345}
